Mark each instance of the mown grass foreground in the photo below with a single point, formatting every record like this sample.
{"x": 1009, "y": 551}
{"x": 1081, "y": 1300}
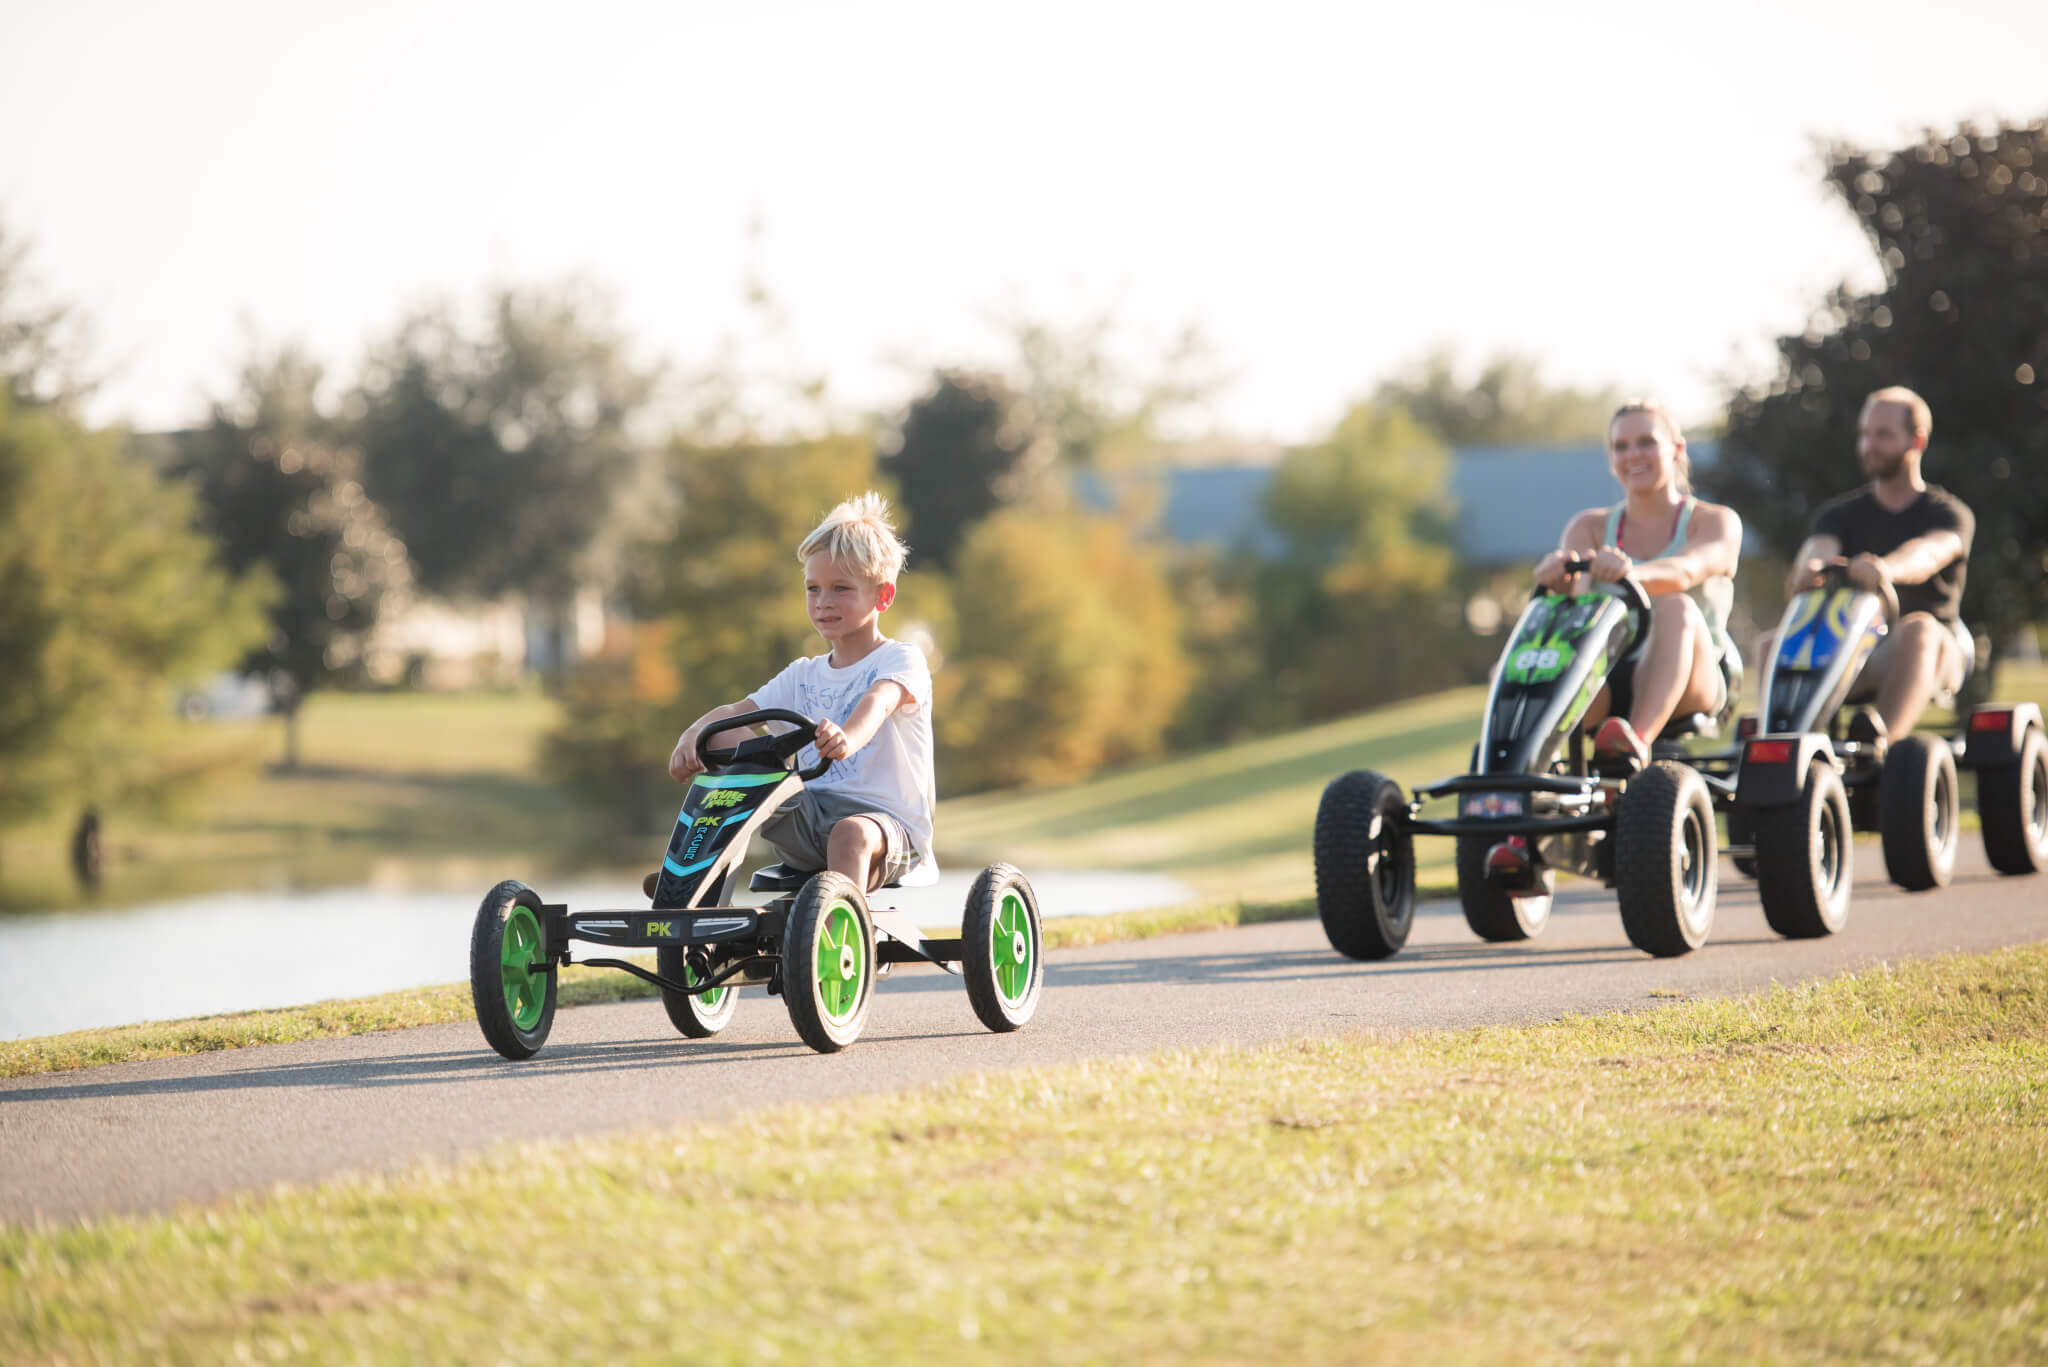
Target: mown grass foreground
{"x": 1846, "y": 1170}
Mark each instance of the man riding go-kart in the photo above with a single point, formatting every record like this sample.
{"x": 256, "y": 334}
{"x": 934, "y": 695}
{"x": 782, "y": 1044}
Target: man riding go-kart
{"x": 1873, "y": 623}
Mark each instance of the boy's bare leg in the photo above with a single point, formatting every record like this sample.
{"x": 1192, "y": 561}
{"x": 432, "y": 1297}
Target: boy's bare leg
{"x": 855, "y": 850}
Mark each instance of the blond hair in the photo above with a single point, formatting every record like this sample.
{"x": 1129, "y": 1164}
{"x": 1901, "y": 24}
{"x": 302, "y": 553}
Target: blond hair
{"x": 1661, "y": 416}
{"x": 1917, "y": 412}
{"x": 859, "y": 535}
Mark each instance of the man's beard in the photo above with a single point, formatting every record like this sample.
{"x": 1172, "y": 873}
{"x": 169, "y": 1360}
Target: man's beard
{"x": 1883, "y": 465}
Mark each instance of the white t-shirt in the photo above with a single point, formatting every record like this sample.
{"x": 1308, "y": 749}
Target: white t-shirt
{"x": 893, "y": 772}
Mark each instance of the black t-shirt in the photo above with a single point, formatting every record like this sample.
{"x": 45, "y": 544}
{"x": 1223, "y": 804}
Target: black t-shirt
{"x": 1865, "y": 526}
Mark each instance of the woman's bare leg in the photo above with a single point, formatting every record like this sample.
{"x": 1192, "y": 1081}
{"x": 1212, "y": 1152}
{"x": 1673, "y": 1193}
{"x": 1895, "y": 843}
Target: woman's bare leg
{"x": 1680, "y": 667}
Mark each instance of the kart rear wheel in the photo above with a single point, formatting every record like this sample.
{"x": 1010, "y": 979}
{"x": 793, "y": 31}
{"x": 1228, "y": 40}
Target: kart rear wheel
{"x": 700, "y": 1015}
{"x": 828, "y": 962}
{"x": 511, "y": 977}
{"x": 1916, "y": 806}
{"x": 1001, "y": 954}
{"x": 1665, "y": 868}
{"x": 1489, "y": 910}
{"x": 1806, "y": 858}
{"x": 2012, "y": 803}
{"x": 1365, "y": 865}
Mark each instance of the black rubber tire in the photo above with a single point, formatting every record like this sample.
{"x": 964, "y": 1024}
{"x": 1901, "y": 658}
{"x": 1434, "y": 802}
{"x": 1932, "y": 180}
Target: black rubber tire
{"x": 486, "y": 973}
{"x": 1916, "y": 813}
{"x": 1666, "y": 871}
{"x": 686, "y": 1010}
{"x": 1492, "y": 914}
{"x": 1742, "y": 831}
{"x": 800, "y": 939}
{"x": 2012, "y": 804}
{"x": 1365, "y": 866}
{"x": 1806, "y": 858}
{"x": 978, "y": 929}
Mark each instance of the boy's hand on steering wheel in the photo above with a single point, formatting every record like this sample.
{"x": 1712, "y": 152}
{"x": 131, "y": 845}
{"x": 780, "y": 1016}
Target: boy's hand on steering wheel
{"x": 1611, "y": 563}
{"x": 684, "y": 763}
{"x": 831, "y": 741}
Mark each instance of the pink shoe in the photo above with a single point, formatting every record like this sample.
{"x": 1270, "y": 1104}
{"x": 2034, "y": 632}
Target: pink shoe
{"x": 1617, "y": 747}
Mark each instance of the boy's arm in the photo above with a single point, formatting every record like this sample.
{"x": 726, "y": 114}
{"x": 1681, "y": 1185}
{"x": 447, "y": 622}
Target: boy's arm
{"x": 875, "y": 707}
{"x": 683, "y": 761}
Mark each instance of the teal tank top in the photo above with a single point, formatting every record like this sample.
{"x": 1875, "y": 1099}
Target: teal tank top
{"x": 1714, "y": 596}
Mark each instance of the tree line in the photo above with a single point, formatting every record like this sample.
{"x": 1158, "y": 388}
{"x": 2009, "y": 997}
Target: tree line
{"x": 506, "y": 448}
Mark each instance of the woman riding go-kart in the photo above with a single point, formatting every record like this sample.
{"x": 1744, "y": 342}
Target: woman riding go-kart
{"x": 1645, "y": 648}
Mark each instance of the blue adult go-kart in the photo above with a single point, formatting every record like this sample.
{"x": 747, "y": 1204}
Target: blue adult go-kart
{"x": 817, "y": 944}
{"x": 1805, "y": 784}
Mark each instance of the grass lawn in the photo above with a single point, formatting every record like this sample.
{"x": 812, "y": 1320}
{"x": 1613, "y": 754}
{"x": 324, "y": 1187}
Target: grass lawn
{"x": 1848, "y": 1170}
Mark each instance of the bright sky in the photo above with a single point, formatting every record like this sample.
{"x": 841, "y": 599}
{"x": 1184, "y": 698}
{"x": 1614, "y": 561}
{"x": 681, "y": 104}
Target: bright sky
{"x": 1629, "y": 191}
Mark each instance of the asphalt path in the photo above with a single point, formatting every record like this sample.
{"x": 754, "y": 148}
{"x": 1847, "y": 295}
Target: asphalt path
{"x": 150, "y": 1136}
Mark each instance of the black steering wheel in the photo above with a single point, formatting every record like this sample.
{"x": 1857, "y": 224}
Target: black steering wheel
{"x": 1629, "y": 591}
{"x": 1835, "y": 575}
{"x": 764, "y": 749}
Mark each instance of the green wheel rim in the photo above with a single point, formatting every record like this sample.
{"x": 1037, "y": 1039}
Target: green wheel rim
{"x": 842, "y": 963}
{"x": 708, "y": 1001}
{"x": 1011, "y": 948}
{"x": 523, "y": 965}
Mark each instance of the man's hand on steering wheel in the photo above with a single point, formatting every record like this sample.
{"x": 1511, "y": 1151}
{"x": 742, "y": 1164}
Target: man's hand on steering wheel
{"x": 1870, "y": 572}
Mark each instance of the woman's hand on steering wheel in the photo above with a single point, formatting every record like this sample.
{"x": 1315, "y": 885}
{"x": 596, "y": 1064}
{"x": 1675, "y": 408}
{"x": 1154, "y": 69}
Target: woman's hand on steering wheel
{"x": 1611, "y": 564}
{"x": 1551, "y": 574}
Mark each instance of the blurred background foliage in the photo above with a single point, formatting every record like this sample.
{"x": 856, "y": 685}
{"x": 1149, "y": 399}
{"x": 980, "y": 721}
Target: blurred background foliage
{"x": 517, "y": 444}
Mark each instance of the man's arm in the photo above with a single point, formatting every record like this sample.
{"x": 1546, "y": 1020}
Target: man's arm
{"x": 1920, "y": 559}
{"x": 875, "y": 707}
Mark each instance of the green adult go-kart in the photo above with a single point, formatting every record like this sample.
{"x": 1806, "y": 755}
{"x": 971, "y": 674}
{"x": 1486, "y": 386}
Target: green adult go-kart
{"x": 817, "y": 944}
{"x": 1532, "y": 803}
{"x": 1805, "y": 784}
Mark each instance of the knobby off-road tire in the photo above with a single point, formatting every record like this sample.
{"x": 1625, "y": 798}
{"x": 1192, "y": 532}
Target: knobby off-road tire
{"x": 1492, "y": 914}
{"x": 1001, "y": 951}
{"x": 2012, "y": 804}
{"x": 511, "y": 979}
{"x": 828, "y": 962}
{"x": 1365, "y": 866}
{"x": 700, "y": 1015}
{"x": 1916, "y": 813}
{"x": 1666, "y": 872}
{"x": 1806, "y": 858}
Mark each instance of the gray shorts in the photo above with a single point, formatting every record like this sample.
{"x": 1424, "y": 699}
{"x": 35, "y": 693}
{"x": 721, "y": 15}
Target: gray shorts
{"x": 801, "y": 829}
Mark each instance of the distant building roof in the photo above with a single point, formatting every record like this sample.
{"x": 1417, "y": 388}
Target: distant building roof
{"x": 1512, "y": 500}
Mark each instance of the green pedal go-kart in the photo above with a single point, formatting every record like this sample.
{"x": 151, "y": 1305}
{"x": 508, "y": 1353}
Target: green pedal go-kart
{"x": 817, "y": 944}
{"x": 1806, "y": 785}
{"x": 1531, "y": 803}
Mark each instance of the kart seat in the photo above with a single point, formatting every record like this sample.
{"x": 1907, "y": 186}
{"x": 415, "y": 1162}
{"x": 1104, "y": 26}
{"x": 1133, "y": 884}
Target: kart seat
{"x": 1704, "y": 724}
{"x": 783, "y": 878}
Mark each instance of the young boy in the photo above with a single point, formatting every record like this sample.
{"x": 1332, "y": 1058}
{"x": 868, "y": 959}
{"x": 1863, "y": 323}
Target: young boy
{"x": 869, "y": 816}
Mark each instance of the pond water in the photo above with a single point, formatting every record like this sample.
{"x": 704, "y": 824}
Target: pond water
{"x": 240, "y": 951}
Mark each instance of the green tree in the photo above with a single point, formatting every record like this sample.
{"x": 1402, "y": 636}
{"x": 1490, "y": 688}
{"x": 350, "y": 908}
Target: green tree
{"x": 504, "y": 456}
{"x": 1358, "y": 608}
{"x": 108, "y": 599}
{"x": 1959, "y": 224}
{"x": 1507, "y": 403}
{"x": 276, "y": 488}
{"x": 43, "y": 342}
{"x": 1066, "y": 655}
{"x": 965, "y": 449}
